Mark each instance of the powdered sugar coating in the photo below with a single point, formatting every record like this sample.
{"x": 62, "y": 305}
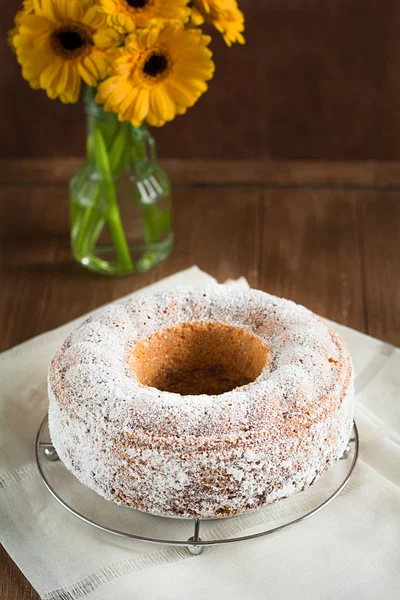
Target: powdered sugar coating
{"x": 201, "y": 455}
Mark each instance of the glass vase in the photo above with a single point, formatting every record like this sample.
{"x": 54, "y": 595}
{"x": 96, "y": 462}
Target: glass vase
{"x": 120, "y": 207}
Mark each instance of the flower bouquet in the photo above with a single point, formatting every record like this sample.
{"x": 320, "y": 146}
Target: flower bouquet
{"x": 143, "y": 62}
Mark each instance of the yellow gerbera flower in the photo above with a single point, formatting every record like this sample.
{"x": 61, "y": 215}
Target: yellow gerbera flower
{"x": 62, "y": 43}
{"x": 223, "y": 14}
{"x": 125, "y": 15}
{"x": 159, "y": 73}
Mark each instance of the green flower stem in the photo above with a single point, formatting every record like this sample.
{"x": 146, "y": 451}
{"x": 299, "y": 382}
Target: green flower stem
{"x": 118, "y": 151}
{"x": 94, "y": 230}
{"x": 90, "y": 220}
{"x": 85, "y": 194}
{"x": 113, "y": 216}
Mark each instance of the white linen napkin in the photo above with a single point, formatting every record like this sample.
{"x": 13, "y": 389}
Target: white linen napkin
{"x": 350, "y": 550}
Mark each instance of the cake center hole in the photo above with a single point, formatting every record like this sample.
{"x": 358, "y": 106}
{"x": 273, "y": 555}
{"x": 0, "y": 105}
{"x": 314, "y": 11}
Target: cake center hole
{"x": 198, "y": 358}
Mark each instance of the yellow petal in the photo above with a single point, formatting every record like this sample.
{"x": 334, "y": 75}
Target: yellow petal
{"x": 101, "y": 62}
{"x": 34, "y": 25}
{"x": 181, "y": 94}
{"x": 108, "y": 6}
{"x": 86, "y": 74}
{"x": 125, "y": 107}
{"x": 107, "y": 37}
{"x": 73, "y": 85}
{"x": 118, "y": 94}
{"x": 154, "y": 120}
{"x": 75, "y": 10}
{"x": 49, "y": 74}
{"x": 45, "y": 8}
{"x": 106, "y": 87}
{"x": 63, "y": 78}
{"x": 161, "y": 103}
{"x": 141, "y": 106}
{"x": 89, "y": 71}
{"x": 94, "y": 18}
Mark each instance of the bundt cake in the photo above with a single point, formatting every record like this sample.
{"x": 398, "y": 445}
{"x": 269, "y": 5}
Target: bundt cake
{"x": 201, "y": 402}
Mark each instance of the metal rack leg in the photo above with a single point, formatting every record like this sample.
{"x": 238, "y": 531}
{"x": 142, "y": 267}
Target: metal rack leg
{"x": 347, "y": 450}
{"x": 49, "y": 451}
{"x": 193, "y": 549}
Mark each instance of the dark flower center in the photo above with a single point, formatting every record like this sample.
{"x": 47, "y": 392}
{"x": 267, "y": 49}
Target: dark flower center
{"x": 137, "y": 3}
{"x": 70, "y": 40}
{"x": 155, "y": 65}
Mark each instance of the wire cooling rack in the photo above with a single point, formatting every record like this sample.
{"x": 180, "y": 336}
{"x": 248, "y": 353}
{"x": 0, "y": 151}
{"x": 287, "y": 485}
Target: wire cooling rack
{"x": 118, "y": 521}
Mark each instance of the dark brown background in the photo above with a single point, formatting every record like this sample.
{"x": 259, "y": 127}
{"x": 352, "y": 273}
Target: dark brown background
{"x": 317, "y": 79}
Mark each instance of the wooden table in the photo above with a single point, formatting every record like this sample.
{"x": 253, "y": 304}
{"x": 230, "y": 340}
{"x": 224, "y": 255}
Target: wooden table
{"x": 326, "y": 235}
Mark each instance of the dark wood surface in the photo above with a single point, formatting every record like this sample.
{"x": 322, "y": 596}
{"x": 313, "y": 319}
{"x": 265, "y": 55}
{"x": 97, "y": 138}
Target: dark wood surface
{"x": 326, "y": 235}
{"x": 316, "y": 79}
{"x": 193, "y": 172}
